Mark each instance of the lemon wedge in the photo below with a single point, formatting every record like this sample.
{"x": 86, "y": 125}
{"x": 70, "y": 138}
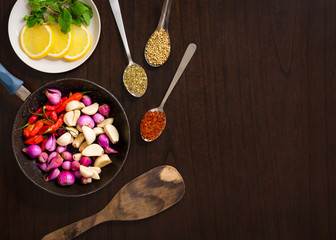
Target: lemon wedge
{"x": 36, "y": 41}
{"x": 81, "y": 42}
{"x": 61, "y": 43}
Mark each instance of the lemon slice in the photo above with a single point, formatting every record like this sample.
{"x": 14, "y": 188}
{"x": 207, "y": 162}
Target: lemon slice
{"x": 36, "y": 41}
{"x": 81, "y": 42}
{"x": 61, "y": 43}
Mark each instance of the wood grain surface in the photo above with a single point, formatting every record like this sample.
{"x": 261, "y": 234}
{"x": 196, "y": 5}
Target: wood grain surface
{"x": 250, "y": 125}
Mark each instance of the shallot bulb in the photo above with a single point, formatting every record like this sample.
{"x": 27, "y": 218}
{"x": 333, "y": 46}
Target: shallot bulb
{"x": 75, "y": 165}
{"x": 85, "y": 120}
{"x": 85, "y": 161}
{"x": 66, "y": 178}
{"x": 104, "y": 142}
{"x": 33, "y": 151}
{"x": 55, "y": 162}
{"x": 50, "y": 144}
{"x": 43, "y": 157}
{"x": 66, "y": 165}
{"x": 53, "y": 174}
{"x": 42, "y": 166}
{"x": 67, "y": 156}
{"x": 104, "y": 109}
{"x": 61, "y": 149}
{"x": 98, "y": 118}
{"x": 77, "y": 174}
{"x": 85, "y": 180}
{"x": 54, "y": 96}
{"x": 86, "y": 100}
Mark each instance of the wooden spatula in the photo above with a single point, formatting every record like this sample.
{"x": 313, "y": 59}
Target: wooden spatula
{"x": 143, "y": 197}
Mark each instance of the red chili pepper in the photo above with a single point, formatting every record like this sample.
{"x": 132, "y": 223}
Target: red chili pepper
{"x": 43, "y": 145}
{"x": 56, "y": 125}
{"x": 27, "y": 130}
{"x": 76, "y": 96}
{"x": 51, "y": 107}
{"x": 53, "y": 116}
{"x": 34, "y": 117}
{"x": 38, "y": 125}
{"x": 47, "y": 122}
{"x": 34, "y": 140}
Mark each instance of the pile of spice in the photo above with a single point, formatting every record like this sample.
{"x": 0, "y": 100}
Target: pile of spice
{"x": 152, "y": 124}
{"x": 135, "y": 80}
{"x": 158, "y": 48}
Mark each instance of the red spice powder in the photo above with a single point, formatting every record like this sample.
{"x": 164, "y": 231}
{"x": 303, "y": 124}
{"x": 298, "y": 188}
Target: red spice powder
{"x": 152, "y": 125}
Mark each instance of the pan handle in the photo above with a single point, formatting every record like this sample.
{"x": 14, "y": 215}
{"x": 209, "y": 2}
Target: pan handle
{"x": 13, "y": 84}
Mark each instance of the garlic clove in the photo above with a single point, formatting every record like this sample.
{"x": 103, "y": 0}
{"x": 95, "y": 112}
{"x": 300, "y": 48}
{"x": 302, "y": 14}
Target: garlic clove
{"x": 76, "y": 116}
{"x": 79, "y": 128}
{"x": 95, "y": 175}
{"x": 77, "y": 157}
{"x": 68, "y": 117}
{"x": 86, "y": 171}
{"x": 83, "y": 146}
{"x": 73, "y": 131}
{"x": 112, "y": 133}
{"x": 102, "y": 161}
{"x": 65, "y": 139}
{"x": 89, "y": 134}
{"x": 78, "y": 140}
{"x": 90, "y": 110}
{"x": 74, "y": 105}
{"x": 106, "y": 121}
{"x": 96, "y": 169}
{"x": 98, "y": 130}
{"x": 93, "y": 150}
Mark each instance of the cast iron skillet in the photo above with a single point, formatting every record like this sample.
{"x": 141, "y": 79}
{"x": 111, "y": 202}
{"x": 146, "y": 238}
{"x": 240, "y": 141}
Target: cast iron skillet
{"x": 35, "y": 100}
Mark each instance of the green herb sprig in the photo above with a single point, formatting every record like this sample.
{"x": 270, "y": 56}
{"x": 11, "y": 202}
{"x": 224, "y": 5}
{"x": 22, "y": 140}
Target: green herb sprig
{"x": 63, "y": 12}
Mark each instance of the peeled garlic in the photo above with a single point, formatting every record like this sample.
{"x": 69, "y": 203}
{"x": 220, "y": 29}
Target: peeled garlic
{"x": 73, "y": 131}
{"x": 77, "y": 157}
{"x": 74, "y": 105}
{"x": 93, "y": 150}
{"x": 78, "y": 140}
{"x": 65, "y": 139}
{"x": 106, "y": 121}
{"x": 95, "y": 174}
{"x": 86, "y": 171}
{"x": 112, "y": 133}
{"x": 83, "y": 146}
{"x": 102, "y": 161}
{"x": 98, "y": 130}
{"x": 89, "y": 134}
{"x": 70, "y": 118}
{"x": 90, "y": 110}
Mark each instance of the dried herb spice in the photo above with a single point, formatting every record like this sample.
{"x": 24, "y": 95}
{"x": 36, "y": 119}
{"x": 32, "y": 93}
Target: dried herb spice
{"x": 135, "y": 80}
{"x": 152, "y": 124}
{"x": 158, "y": 47}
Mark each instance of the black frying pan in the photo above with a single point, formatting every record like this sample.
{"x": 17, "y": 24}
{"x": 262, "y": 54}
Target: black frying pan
{"x": 35, "y": 100}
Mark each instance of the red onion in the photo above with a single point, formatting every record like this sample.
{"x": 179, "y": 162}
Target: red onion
{"x": 66, "y": 178}
{"x": 54, "y": 96}
{"x": 50, "y": 144}
{"x": 61, "y": 149}
{"x": 98, "y": 118}
{"x": 86, "y": 100}
{"x": 77, "y": 174}
{"x": 85, "y": 120}
{"x": 75, "y": 165}
{"x": 85, "y": 161}
{"x": 67, "y": 156}
{"x": 43, "y": 157}
{"x": 55, "y": 162}
{"x": 109, "y": 150}
{"x": 53, "y": 174}
{"x": 66, "y": 165}
{"x": 43, "y": 166}
{"x": 104, "y": 109}
{"x": 32, "y": 151}
{"x": 86, "y": 180}
{"x": 51, "y": 156}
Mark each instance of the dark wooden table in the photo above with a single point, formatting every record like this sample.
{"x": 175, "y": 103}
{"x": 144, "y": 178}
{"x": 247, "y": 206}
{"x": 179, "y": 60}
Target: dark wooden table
{"x": 251, "y": 124}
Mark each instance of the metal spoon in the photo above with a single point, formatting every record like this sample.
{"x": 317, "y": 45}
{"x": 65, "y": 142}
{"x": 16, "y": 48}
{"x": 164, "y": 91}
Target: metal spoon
{"x": 163, "y": 24}
{"x": 184, "y": 62}
{"x": 117, "y": 15}
{"x": 145, "y": 196}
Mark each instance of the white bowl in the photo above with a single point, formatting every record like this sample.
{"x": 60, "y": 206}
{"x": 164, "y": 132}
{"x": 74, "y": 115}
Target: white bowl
{"x": 48, "y": 64}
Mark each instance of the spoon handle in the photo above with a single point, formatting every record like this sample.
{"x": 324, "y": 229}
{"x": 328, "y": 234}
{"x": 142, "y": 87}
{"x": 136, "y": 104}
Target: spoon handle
{"x": 184, "y": 62}
{"x": 165, "y": 13}
{"x": 117, "y": 16}
{"x": 73, "y": 230}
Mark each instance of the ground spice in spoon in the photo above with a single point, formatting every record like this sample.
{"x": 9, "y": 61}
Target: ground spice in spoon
{"x": 152, "y": 124}
{"x": 135, "y": 80}
{"x": 158, "y": 48}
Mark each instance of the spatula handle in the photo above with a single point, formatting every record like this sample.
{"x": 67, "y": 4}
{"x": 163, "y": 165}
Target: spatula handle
{"x": 75, "y": 229}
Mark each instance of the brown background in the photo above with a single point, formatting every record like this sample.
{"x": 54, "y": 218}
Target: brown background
{"x": 251, "y": 124}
